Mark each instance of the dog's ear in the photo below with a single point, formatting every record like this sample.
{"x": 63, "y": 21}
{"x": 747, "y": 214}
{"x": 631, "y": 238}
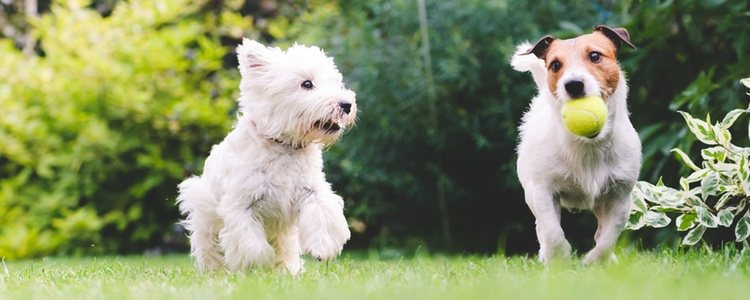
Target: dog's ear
{"x": 541, "y": 47}
{"x": 618, "y": 36}
{"x": 255, "y": 56}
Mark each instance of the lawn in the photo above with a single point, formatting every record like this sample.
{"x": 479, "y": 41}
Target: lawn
{"x": 639, "y": 275}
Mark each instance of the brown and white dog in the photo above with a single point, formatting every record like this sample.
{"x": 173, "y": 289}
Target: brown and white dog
{"x": 559, "y": 169}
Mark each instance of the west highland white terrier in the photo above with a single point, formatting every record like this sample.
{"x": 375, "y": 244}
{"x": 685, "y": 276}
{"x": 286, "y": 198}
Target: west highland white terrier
{"x": 263, "y": 198}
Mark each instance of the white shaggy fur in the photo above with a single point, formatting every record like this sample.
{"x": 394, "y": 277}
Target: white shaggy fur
{"x": 557, "y": 168}
{"x": 263, "y": 198}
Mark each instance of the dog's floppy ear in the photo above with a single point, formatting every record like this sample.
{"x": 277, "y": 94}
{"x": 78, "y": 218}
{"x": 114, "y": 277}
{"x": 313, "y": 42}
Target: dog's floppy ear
{"x": 254, "y": 56}
{"x": 541, "y": 47}
{"x": 618, "y": 36}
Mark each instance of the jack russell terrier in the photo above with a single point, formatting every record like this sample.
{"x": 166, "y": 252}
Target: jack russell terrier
{"x": 559, "y": 169}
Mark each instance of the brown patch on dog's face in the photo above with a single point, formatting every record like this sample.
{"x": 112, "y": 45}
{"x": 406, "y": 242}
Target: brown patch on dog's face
{"x": 594, "y": 52}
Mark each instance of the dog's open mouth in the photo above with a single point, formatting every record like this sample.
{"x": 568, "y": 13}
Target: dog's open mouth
{"x": 328, "y": 126}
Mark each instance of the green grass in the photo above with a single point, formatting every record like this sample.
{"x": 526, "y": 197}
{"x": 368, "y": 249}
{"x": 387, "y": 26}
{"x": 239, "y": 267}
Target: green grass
{"x": 639, "y": 275}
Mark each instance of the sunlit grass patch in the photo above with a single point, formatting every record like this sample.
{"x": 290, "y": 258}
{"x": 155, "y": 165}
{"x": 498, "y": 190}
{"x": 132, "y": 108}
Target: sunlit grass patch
{"x": 638, "y": 275}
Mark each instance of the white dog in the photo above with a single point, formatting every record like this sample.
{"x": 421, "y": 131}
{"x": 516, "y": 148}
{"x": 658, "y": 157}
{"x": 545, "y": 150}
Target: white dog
{"x": 557, "y": 168}
{"x": 263, "y": 198}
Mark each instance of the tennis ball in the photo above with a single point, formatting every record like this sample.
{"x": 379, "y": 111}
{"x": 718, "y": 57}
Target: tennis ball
{"x": 585, "y": 116}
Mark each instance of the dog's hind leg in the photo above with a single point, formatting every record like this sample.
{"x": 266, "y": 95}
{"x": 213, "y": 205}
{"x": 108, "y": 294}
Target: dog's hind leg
{"x": 243, "y": 237}
{"x": 546, "y": 209}
{"x": 611, "y": 217}
{"x": 204, "y": 241}
{"x": 196, "y": 201}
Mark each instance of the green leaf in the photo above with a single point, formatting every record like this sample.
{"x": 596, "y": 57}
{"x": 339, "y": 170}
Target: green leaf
{"x": 722, "y": 136}
{"x": 694, "y": 235}
{"x": 665, "y": 209}
{"x": 639, "y": 204}
{"x": 701, "y": 129}
{"x": 725, "y": 217}
{"x": 717, "y": 153}
{"x": 693, "y": 200}
{"x": 643, "y": 190}
{"x": 709, "y": 185}
{"x": 743, "y": 169}
{"x": 746, "y": 82}
{"x": 684, "y": 184}
{"x": 740, "y": 207}
{"x": 685, "y": 159}
{"x": 671, "y": 198}
{"x": 635, "y": 221}
{"x": 731, "y": 117}
{"x": 723, "y": 200}
{"x": 705, "y": 217}
{"x": 656, "y": 219}
{"x": 721, "y": 167}
{"x": 686, "y": 221}
{"x": 698, "y": 175}
{"x": 743, "y": 227}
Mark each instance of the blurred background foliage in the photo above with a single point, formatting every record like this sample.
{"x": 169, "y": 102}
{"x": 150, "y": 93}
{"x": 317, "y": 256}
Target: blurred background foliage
{"x": 108, "y": 104}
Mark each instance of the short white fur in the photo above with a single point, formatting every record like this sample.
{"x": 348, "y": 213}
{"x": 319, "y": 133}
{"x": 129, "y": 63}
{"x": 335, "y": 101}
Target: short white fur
{"x": 559, "y": 169}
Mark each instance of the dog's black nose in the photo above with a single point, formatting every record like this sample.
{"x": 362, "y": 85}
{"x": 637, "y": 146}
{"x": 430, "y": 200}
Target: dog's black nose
{"x": 574, "y": 88}
{"x": 346, "y": 106}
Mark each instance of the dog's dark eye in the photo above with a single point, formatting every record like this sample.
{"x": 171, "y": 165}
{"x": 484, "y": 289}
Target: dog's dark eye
{"x": 555, "y": 66}
{"x": 595, "y": 56}
{"x": 307, "y": 84}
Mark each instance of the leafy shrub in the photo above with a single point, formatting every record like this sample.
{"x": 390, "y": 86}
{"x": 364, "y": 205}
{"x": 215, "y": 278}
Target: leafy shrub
{"x": 715, "y": 194}
{"x": 97, "y": 131}
{"x": 686, "y": 51}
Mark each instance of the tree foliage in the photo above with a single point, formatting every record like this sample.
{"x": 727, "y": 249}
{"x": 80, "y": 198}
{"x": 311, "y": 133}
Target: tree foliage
{"x": 97, "y": 131}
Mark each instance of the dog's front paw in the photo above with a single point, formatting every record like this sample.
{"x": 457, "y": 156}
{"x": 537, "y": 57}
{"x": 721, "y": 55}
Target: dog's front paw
{"x": 557, "y": 251}
{"x": 209, "y": 264}
{"x": 244, "y": 250}
{"x": 328, "y": 242}
{"x": 596, "y": 256}
{"x": 295, "y": 266}
{"x": 323, "y": 230}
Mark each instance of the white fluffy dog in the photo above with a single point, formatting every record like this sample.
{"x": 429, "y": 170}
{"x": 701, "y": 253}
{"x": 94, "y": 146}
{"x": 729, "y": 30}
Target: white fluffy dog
{"x": 557, "y": 168}
{"x": 263, "y": 198}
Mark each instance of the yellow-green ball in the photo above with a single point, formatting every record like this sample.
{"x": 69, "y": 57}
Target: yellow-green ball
{"x": 585, "y": 116}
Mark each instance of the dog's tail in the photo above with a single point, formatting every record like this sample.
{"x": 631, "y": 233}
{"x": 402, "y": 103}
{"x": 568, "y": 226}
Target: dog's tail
{"x": 194, "y": 196}
{"x": 523, "y": 61}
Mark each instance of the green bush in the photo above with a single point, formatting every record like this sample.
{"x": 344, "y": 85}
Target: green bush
{"x": 97, "y": 130}
{"x": 686, "y": 51}
{"x": 722, "y": 192}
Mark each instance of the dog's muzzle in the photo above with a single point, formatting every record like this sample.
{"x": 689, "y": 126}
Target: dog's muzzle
{"x": 327, "y": 126}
